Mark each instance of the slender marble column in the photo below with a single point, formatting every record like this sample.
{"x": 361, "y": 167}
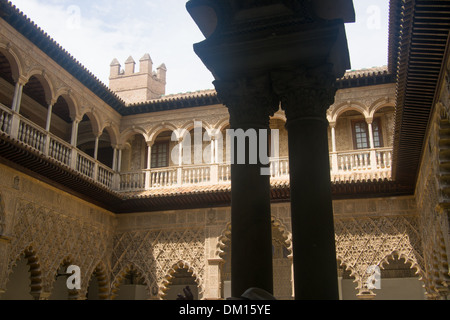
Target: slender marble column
{"x": 49, "y": 117}
{"x": 18, "y": 90}
{"x": 74, "y": 135}
{"x": 373, "y": 154}
{"x": 250, "y": 103}
{"x": 306, "y": 94}
{"x": 97, "y": 138}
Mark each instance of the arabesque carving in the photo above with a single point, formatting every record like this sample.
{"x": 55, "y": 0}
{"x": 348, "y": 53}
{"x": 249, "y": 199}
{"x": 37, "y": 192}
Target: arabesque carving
{"x": 155, "y": 252}
{"x": 363, "y": 242}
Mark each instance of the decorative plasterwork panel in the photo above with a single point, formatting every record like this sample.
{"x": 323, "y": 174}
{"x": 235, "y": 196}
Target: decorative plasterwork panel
{"x": 368, "y": 241}
{"x": 156, "y": 254}
{"x": 56, "y": 238}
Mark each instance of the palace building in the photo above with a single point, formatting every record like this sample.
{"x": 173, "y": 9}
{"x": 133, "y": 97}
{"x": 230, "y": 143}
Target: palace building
{"x": 109, "y": 178}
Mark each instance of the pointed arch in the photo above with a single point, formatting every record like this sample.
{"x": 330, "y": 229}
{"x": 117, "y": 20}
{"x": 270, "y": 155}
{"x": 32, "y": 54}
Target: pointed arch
{"x": 33, "y": 262}
{"x": 397, "y": 254}
{"x": 168, "y": 278}
{"x": 124, "y": 271}
{"x": 287, "y": 235}
{"x": 100, "y": 273}
{"x": 225, "y": 237}
{"x": 60, "y": 272}
{"x": 282, "y": 254}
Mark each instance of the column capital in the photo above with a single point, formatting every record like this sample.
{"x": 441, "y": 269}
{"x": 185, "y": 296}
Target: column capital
{"x": 250, "y": 101}
{"x": 76, "y": 119}
{"x": 369, "y": 120}
{"x": 22, "y": 81}
{"x": 305, "y": 92}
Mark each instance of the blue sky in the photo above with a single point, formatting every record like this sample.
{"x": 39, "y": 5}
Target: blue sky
{"x": 97, "y": 31}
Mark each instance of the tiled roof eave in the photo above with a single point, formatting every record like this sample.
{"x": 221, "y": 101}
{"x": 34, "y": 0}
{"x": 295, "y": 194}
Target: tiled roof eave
{"x": 421, "y": 43}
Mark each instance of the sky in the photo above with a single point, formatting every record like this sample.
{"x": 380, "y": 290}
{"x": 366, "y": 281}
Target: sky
{"x": 95, "y": 32}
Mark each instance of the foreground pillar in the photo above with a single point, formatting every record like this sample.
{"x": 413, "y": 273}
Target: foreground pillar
{"x": 306, "y": 94}
{"x": 247, "y": 38}
{"x": 250, "y": 104}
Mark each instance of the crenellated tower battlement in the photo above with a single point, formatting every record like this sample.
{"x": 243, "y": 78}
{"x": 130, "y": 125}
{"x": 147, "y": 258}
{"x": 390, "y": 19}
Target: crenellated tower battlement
{"x": 137, "y": 86}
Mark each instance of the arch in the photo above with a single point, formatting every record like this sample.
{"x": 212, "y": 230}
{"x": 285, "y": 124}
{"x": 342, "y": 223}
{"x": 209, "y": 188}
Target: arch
{"x": 225, "y": 237}
{"x": 287, "y": 235}
{"x": 129, "y": 132}
{"x": 190, "y": 125}
{"x": 44, "y": 80}
{"x": 58, "y": 286}
{"x": 101, "y": 275}
{"x": 122, "y": 274}
{"x": 64, "y": 110}
{"x": 13, "y": 58}
{"x": 154, "y": 132}
{"x": 282, "y": 260}
{"x": 348, "y": 283}
{"x": 222, "y": 124}
{"x": 33, "y": 261}
{"x": 397, "y": 254}
{"x": 168, "y": 278}
{"x": 223, "y": 240}
{"x": 379, "y": 104}
{"x": 8, "y": 84}
{"x": 105, "y": 152}
{"x": 113, "y": 132}
{"x": 94, "y": 119}
{"x": 71, "y": 100}
{"x": 348, "y": 106}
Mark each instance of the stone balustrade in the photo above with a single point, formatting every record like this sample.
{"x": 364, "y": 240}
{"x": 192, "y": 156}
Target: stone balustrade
{"x": 345, "y": 166}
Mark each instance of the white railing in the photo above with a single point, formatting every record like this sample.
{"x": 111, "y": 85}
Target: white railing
{"x": 31, "y": 135}
{"x": 5, "y": 119}
{"x": 132, "y": 181}
{"x": 162, "y": 177}
{"x": 85, "y": 165}
{"x": 344, "y": 166}
{"x": 224, "y": 173}
{"x": 105, "y": 176}
{"x": 384, "y": 158}
{"x": 59, "y": 150}
{"x": 368, "y": 164}
{"x": 355, "y": 160}
{"x": 49, "y": 145}
{"x": 196, "y": 174}
{"x": 279, "y": 168}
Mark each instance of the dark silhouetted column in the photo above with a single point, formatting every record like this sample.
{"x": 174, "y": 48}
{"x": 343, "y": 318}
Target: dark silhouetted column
{"x": 250, "y": 104}
{"x": 306, "y": 94}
